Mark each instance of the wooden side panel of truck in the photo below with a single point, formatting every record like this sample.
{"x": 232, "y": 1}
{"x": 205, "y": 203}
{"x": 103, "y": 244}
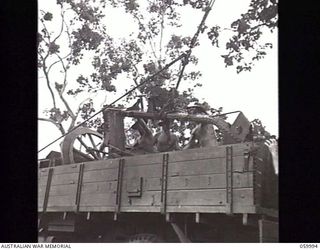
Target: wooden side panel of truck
{"x": 222, "y": 179}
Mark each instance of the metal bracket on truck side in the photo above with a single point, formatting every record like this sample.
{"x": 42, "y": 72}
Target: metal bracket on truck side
{"x": 164, "y": 183}
{"x": 134, "y": 187}
{"x": 229, "y": 175}
{"x": 79, "y": 187}
{"x": 119, "y": 188}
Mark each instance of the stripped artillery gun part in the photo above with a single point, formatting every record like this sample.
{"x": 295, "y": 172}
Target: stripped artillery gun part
{"x": 82, "y": 145}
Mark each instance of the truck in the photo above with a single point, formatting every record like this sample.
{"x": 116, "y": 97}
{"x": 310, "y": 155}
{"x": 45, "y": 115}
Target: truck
{"x": 224, "y": 193}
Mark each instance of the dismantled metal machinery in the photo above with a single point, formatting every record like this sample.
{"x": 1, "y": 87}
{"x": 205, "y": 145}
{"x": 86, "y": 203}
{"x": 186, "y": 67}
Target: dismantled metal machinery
{"x": 84, "y": 144}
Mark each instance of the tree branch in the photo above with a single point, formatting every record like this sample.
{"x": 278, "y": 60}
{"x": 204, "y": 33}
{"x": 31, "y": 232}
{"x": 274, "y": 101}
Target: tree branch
{"x": 149, "y": 36}
{"x": 49, "y": 68}
{"x": 61, "y": 29}
{"x": 74, "y": 118}
{"x": 44, "y": 67}
{"x": 161, "y": 36}
{"x": 65, "y": 69}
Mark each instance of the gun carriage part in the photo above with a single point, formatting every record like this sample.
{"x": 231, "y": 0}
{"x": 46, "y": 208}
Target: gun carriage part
{"x": 82, "y": 144}
{"x": 234, "y": 133}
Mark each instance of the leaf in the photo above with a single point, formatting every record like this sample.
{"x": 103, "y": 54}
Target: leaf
{"x": 53, "y": 48}
{"x": 227, "y": 60}
{"x": 48, "y": 16}
{"x": 243, "y": 26}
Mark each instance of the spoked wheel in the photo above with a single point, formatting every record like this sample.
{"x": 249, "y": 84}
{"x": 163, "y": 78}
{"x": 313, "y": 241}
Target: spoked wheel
{"x": 145, "y": 238}
{"x": 82, "y": 145}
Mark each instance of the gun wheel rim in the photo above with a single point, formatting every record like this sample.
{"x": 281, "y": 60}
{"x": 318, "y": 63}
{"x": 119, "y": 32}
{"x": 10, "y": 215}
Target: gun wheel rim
{"x": 82, "y": 144}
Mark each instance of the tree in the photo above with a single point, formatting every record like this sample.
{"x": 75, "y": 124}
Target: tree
{"x": 82, "y": 37}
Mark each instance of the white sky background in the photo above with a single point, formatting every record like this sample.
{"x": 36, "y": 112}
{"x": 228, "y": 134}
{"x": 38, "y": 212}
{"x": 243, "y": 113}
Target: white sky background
{"x": 255, "y": 93}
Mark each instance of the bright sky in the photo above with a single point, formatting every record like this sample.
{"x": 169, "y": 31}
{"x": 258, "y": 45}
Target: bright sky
{"x": 255, "y": 93}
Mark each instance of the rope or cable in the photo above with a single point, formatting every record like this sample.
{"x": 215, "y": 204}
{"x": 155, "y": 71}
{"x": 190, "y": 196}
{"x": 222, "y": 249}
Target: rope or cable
{"x": 125, "y": 94}
{"x": 193, "y": 42}
{"x": 185, "y": 57}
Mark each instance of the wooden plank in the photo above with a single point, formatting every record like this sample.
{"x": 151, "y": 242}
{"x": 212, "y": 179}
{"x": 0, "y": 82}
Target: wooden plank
{"x": 204, "y": 166}
{"x": 63, "y": 200}
{"x": 170, "y": 209}
{"x": 47, "y": 190}
{"x": 191, "y": 197}
{"x": 43, "y": 172}
{"x": 99, "y": 187}
{"x": 104, "y": 164}
{"x": 61, "y": 208}
{"x": 206, "y": 153}
{"x": 100, "y": 175}
{"x": 105, "y": 196}
{"x": 210, "y": 181}
{"x": 196, "y": 197}
{"x": 191, "y": 209}
{"x": 146, "y": 159}
{"x": 177, "y": 198}
{"x": 89, "y": 176}
{"x": 100, "y": 199}
{"x": 41, "y": 192}
{"x": 241, "y": 180}
{"x": 195, "y": 168}
{"x": 63, "y": 169}
{"x": 243, "y": 196}
{"x": 88, "y": 208}
{"x": 69, "y": 189}
{"x": 149, "y": 159}
{"x": 102, "y": 193}
{"x": 153, "y": 170}
{"x": 63, "y": 179}
{"x": 200, "y": 167}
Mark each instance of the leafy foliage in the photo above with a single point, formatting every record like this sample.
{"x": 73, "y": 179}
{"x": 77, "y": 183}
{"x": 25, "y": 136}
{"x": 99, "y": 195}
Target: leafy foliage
{"x": 243, "y": 47}
{"x": 84, "y": 32}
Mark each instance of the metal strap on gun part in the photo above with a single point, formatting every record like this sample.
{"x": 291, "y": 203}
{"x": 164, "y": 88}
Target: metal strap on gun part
{"x": 79, "y": 186}
{"x": 229, "y": 170}
{"x": 164, "y": 183}
{"x": 46, "y": 194}
{"x": 119, "y": 185}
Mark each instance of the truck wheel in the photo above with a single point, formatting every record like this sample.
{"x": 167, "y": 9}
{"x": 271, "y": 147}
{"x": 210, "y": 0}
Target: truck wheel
{"x": 144, "y": 238}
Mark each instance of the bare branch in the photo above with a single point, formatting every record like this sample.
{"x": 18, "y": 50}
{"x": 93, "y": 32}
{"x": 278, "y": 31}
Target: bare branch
{"x": 60, "y": 91}
{"x": 152, "y": 47}
{"x": 149, "y": 36}
{"x": 65, "y": 69}
{"x": 66, "y": 56}
{"x": 161, "y": 36}
{"x": 75, "y": 117}
{"x": 66, "y": 104}
{"x": 62, "y": 24}
{"x": 47, "y": 42}
{"x": 81, "y": 103}
{"x": 44, "y": 69}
